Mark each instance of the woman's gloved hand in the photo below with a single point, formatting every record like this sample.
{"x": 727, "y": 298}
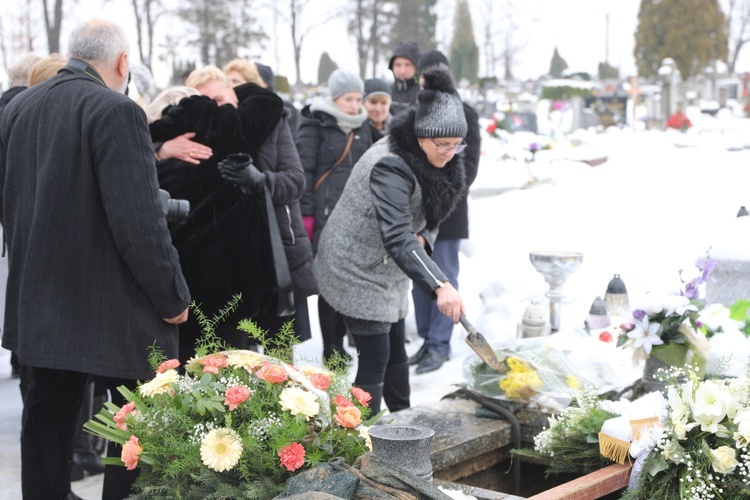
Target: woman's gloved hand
{"x": 240, "y": 171}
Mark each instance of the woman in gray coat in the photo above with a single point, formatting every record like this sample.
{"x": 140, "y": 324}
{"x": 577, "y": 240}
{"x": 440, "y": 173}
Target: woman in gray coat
{"x": 380, "y": 233}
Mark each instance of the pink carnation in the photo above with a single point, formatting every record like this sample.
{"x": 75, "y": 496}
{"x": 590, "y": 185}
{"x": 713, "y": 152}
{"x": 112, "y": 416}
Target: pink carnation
{"x": 292, "y": 456}
{"x": 211, "y": 364}
{"x": 272, "y": 373}
{"x": 168, "y": 365}
{"x": 119, "y": 417}
{"x": 236, "y": 395}
{"x": 362, "y": 396}
{"x": 342, "y": 400}
{"x": 320, "y": 381}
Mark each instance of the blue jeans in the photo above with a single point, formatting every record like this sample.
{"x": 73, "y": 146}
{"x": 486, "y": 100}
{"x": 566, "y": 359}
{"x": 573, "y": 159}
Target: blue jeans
{"x": 433, "y": 326}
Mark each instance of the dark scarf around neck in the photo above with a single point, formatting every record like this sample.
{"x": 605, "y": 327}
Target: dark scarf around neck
{"x": 442, "y": 188}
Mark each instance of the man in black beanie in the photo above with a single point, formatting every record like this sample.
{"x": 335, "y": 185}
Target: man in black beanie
{"x": 433, "y": 326}
{"x": 403, "y": 64}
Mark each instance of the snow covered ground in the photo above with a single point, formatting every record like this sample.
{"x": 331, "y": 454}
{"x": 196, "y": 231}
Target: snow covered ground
{"x": 659, "y": 201}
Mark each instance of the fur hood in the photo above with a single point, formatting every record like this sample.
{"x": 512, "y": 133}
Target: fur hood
{"x": 442, "y": 188}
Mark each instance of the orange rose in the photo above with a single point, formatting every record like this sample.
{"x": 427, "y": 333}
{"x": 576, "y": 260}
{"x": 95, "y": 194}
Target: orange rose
{"x": 168, "y": 365}
{"x": 272, "y": 374}
{"x": 362, "y": 396}
{"x": 348, "y": 416}
{"x": 131, "y": 452}
{"x": 211, "y": 364}
{"x": 342, "y": 400}
{"x": 119, "y": 417}
{"x": 320, "y": 381}
{"x": 236, "y": 395}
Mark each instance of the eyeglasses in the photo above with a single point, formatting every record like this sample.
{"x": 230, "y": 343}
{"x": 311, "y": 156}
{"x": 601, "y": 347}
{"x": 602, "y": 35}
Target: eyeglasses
{"x": 445, "y": 148}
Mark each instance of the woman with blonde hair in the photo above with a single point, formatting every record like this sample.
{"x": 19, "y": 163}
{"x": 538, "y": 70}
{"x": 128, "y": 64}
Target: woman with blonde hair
{"x": 241, "y": 71}
{"x": 46, "y": 68}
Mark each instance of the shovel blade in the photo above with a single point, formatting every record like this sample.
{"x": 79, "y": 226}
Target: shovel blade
{"x": 480, "y": 346}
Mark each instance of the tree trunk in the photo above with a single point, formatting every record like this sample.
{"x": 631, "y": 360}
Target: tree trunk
{"x": 53, "y": 25}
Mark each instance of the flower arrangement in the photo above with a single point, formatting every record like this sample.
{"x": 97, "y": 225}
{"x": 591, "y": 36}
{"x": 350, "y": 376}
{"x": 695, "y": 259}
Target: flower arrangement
{"x": 570, "y": 443}
{"x": 235, "y": 424}
{"x": 667, "y": 326}
{"x": 702, "y": 451}
{"x": 540, "y": 374}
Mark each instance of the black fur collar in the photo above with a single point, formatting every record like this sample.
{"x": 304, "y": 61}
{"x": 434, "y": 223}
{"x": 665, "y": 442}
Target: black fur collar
{"x": 442, "y": 188}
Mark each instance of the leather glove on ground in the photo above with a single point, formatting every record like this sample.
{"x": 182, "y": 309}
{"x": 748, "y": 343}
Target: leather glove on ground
{"x": 240, "y": 171}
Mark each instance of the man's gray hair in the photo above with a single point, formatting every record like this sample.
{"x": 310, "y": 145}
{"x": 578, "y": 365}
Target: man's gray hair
{"x": 97, "y": 42}
{"x": 19, "y": 72}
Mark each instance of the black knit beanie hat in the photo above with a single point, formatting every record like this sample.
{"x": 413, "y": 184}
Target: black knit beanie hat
{"x": 440, "y": 111}
{"x": 408, "y": 50}
{"x": 431, "y": 58}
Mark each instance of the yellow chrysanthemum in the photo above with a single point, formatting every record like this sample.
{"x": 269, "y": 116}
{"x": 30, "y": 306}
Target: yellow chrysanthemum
{"x": 521, "y": 385}
{"x": 249, "y": 360}
{"x": 299, "y": 402}
{"x": 517, "y": 365}
{"x": 572, "y": 382}
{"x": 221, "y": 449}
{"x": 160, "y": 384}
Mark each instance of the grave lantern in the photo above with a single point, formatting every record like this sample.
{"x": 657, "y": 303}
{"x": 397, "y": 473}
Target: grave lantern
{"x": 616, "y": 298}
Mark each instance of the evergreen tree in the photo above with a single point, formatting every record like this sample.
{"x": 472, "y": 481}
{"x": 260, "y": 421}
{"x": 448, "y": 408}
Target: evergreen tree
{"x": 557, "y": 65}
{"x": 326, "y": 66}
{"x": 692, "y": 32}
{"x": 464, "y": 50}
{"x": 416, "y": 21}
{"x": 607, "y": 71}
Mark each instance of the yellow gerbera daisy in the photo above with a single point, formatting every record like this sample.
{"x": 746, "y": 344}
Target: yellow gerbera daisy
{"x": 161, "y": 383}
{"x": 299, "y": 402}
{"x": 221, "y": 449}
{"x": 249, "y": 360}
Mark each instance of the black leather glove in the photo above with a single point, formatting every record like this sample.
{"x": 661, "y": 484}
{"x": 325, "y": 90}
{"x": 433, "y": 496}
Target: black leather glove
{"x": 240, "y": 171}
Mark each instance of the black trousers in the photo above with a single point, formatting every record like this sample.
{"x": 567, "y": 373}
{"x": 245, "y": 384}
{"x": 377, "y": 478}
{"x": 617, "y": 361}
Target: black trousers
{"x": 48, "y": 428}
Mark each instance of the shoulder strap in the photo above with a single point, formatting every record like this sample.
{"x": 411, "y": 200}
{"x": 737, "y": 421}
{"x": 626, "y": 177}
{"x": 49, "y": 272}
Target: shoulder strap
{"x": 338, "y": 162}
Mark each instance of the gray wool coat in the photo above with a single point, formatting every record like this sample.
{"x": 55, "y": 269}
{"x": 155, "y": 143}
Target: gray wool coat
{"x": 92, "y": 269}
{"x": 357, "y": 275}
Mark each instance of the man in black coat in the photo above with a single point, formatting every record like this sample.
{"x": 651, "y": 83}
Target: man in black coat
{"x": 403, "y": 64}
{"x": 433, "y": 326}
{"x": 94, "y": 280}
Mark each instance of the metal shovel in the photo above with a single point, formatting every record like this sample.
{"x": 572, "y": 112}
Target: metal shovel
{"x": 477, "y": 342}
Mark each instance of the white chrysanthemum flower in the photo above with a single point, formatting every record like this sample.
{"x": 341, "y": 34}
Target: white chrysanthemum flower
{"x": 221, "y": 449}
{"x": 249, "y": 360}
{"x": 299, "y": 402}
{"x": 644, "y": 335}
{"x": 161, "y": 383}
{"x": 308, "y": 370}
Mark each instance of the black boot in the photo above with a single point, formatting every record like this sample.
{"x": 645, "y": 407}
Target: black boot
{"x": 85, "y": 457}
{"x": 396, "y": 390}
{"x": 376, "y": 391}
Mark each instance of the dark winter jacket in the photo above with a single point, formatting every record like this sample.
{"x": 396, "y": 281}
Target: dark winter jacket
{"x": 369, "y": 251}
{"x": 404, "y": 94}
{"x": 221, "y": 244}
{"x": 9, "y": 94}
{"x": 92, "y": 270}
{"x": 456, "y": 226}
{"x": 320, "y": 143}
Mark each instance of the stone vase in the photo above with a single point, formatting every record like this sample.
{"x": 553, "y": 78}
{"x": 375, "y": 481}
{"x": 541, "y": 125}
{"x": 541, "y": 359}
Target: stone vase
{"x": 665, "y": 356}
{"x": 406, "y": 446}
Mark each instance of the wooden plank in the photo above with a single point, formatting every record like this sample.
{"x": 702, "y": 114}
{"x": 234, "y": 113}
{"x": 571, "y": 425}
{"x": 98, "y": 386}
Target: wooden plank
{"x": 594, "y": 485}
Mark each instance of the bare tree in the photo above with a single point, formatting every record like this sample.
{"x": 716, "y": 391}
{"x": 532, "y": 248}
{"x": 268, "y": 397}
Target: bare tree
{"x": 510, "y": 35}
{"x": 53, "y": 23}
{"x": 18, "y": 30}
{"x": 738, "y": 25}
{"x": 369, "y": 21}
{"x": 222, "y": 29}
{"x": 146, "y": 12}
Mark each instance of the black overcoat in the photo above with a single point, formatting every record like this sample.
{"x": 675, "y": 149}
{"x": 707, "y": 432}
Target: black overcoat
{"x": 92, "y": 270}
